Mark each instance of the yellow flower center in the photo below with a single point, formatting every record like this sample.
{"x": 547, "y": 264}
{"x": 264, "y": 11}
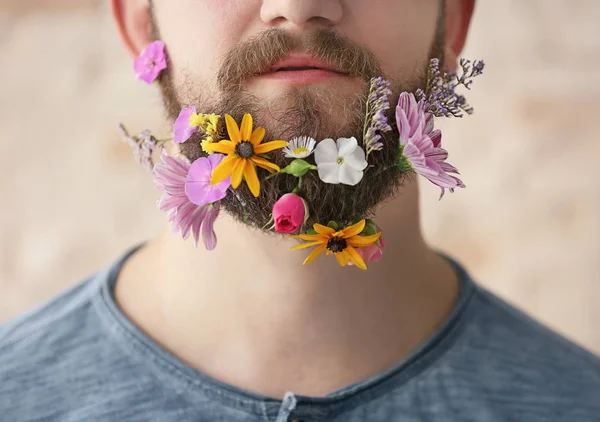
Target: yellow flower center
{"x": 301, "y": 150}
{"x": 340, "y": 160}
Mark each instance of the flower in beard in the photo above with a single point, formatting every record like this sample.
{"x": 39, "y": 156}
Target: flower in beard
{"x": 340, "y": 162}
{"x": 300, "y": 147}
{"x": 170, "y": 177}
{"x": 376, "y": 120}
{"x": 420, "y": 145}
{"x": 243, "y": 151}
{"x": 342, "y": 243}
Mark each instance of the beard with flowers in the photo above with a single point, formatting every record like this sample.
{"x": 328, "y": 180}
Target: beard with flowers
{"x": 315, "y": 163}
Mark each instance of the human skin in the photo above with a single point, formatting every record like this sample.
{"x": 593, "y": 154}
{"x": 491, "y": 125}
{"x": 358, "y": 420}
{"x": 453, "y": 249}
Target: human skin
{"x": 248, "y": 313}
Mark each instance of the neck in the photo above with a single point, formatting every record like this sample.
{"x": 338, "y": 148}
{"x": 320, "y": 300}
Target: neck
{"x": 253, "y": 294}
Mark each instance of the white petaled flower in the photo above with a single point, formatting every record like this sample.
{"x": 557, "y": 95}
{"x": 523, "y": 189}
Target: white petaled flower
{"x": 300, "y": 147}
{"x": 340, "y": 162}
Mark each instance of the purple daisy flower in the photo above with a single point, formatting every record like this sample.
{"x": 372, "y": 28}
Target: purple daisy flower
{"x": 150, "y": 62}
{"x": 421, "y": 146}
{"x": 170, "y": 177}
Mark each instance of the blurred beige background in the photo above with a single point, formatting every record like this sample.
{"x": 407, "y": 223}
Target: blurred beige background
{"x": 527, "y": 226}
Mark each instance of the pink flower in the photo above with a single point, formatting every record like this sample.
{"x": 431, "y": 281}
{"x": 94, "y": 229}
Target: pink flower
{"x": 183, "y": 129}
{"x": 150, "y": 62}
{"x": 289, "y": 213}
{"x": 421, "y": 145}
{"x": 372, "y": 253}
{"x": 198, "y": 187}
{"x": 170, "y": 177}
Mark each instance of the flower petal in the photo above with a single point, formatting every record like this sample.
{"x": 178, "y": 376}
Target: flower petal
{"x": 319, "y": 228}
{"x": 246, "y": 128}
{"x": 266, "y": 164}
{"x": 342, "y": 258}
{"x": 252, "y": 178}
{"x": 225, "y": 169}
{"x": 329, "y": 172}
{"x": 349, "y": 176}
{"x": 310, "y": 237}
{"x": 224, "y": 147}
{"x": 306, "y": 245}
{"x": 314, "y": 254}
{"x": 346, "y": 146}
{"x": 362, "y": 241}
{"x": 354, "y": 230}
{"x": 356, "y": 258}
{"x": 209, "y": 236}
{"x": 269, "y": 146}
{"x": 326, "y": 152}
{"x": 233, "y": 129}
{"x": 257, "y": 136}
{"x": 238, "y": 172}
{"x": 356, "y": 160}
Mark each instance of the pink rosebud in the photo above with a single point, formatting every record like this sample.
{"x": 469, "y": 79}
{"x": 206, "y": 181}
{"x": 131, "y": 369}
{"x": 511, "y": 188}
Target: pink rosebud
{"x": 372, "y": 253}
{"x": 289, "y": 213}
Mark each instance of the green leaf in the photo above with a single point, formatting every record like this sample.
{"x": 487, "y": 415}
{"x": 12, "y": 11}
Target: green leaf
{"x": 306, "y": 211}
{"x": 335, "y": 226}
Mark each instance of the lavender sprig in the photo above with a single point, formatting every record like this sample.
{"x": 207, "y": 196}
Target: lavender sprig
{"x": 376, "y": 119}
{"x": 143, "y": 146}
{"x": 440, "y": 96}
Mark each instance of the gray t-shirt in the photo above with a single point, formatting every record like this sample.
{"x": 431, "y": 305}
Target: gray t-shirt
{"x": 78, "y": 358}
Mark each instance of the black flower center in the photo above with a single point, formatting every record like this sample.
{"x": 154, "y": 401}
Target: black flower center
{"x": 337, "y": 244}
{"x": 244, "y": 149}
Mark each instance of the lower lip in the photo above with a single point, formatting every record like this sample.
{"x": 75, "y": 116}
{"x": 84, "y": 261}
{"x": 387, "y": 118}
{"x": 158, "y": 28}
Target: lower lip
{"x": 300, "y": 77}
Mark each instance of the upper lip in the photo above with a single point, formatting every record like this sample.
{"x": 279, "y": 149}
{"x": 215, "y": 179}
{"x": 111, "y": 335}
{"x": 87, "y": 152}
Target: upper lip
{"x": 293, "y": 61}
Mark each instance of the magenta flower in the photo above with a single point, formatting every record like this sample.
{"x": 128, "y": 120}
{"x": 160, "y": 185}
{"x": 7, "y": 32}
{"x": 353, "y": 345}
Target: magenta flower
{"x": 289, "y": 213}
{"x": 421, "y": 146}
{"x": 183, "y": 128}
{"x": 170, "y": 177}
{"x": 198, "y": 187}
{"x": 150, "y": 62}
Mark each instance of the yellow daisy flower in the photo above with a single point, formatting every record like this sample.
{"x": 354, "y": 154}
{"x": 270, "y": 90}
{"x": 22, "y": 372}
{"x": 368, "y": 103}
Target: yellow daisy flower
{"x": 243, "y": 154}
{"x": 342, "y": 243}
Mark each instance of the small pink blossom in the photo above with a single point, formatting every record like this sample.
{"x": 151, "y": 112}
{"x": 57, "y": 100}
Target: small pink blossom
{"x": 198, "y": 187}
{"x": 289, "y": 213}
{"x": 150, "y": 62}
{"x": 422, "y": 145}
{"x": 170, "y": 177}
{"x": 372, "y": 253}
{"x": 183, "y": 129}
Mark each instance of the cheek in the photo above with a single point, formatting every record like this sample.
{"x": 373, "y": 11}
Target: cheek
{"x": 399, "y": 32}
{"x": 199, "y": 32}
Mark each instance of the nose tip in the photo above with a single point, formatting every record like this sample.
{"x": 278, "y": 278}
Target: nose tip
{"x": 301, "y": 13}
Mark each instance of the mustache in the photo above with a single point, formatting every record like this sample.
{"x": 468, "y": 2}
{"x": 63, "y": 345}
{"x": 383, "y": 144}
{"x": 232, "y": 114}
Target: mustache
{"x": 260, "y": 53}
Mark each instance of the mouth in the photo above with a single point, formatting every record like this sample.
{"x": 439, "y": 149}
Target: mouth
{"x": 301, "y": 69}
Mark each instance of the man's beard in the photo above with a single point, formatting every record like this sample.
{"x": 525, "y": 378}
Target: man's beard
{"x": 319, "y": 112}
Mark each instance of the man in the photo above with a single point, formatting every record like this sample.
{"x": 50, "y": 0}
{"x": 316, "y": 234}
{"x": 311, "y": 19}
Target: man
{"x": 245, "y": 333}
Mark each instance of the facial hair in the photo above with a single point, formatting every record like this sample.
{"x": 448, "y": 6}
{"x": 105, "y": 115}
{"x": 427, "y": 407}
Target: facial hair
{"x": 302, "y": 111}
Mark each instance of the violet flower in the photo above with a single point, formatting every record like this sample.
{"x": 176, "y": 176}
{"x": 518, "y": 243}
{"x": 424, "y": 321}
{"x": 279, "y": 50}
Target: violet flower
{"x": 143, "y": 146}
{"x": 150, "y": 62}
{"x": 198, "y": 187}
{"x": 376, "y": 120}
{"x": 183, "y": 129}
{"x": 170, "y": 177}
{"x": 421, "y": 146}
{"x": 440, "y": 96}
